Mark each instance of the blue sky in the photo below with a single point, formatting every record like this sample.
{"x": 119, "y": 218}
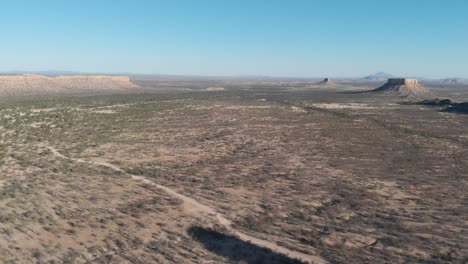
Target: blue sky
{"x": 239, "y": 37}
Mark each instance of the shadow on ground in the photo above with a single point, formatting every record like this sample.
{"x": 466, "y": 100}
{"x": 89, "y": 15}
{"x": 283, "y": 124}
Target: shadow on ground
{"x": 236, "y": 250}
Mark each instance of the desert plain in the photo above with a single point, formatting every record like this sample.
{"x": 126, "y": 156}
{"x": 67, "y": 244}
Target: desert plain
{"x": 229, "y": 170}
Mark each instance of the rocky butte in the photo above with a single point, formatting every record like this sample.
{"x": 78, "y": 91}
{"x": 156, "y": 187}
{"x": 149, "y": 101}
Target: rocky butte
{"x": 326, "y": 82}
{"x": 404, "y": 87}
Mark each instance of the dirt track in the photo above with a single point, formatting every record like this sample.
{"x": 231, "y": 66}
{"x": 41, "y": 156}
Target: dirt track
{"x": 197, "y": 209}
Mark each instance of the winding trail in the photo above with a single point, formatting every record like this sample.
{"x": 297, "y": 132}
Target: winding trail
{"x": 195, "y": 208}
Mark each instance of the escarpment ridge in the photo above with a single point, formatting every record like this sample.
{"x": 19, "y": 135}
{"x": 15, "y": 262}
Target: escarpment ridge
{"x": 18, "y": 84}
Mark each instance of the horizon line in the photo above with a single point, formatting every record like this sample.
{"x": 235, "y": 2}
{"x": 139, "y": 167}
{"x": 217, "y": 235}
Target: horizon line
{"x": 67, "y": 72}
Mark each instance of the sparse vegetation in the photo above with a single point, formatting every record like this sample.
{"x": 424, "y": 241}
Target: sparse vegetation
{"x": 353, "y": 178}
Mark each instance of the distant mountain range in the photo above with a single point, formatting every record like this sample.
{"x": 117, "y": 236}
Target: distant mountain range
{"x": 454, "y": 81}
{"x": 378, "y": 76}
{"x": 447, "y": 81}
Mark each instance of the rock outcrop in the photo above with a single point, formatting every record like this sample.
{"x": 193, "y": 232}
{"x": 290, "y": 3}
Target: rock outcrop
{"x": 436, "y": 102}
{"x": 446, "y": 104}
{"x": 461, "y": 108}
{"x": 36, "y": 84}
{"x": 404, "y": 87}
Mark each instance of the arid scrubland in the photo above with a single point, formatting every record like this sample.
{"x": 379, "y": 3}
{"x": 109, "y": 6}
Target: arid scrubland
{"x": 341, "y": 177}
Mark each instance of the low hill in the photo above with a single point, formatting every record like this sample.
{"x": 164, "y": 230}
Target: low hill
{"x": 36, "y": 84}
{"x": 454, "y": 82}
{"x": 451, "y": 81}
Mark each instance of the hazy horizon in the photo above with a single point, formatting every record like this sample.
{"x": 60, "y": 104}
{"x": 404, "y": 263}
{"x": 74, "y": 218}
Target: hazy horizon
{"x": 297, "y": 39}
{"x": 65, "y": 72}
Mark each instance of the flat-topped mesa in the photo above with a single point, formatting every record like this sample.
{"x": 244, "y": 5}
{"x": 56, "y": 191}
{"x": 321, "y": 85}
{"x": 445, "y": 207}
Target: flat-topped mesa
{"x": 33, "y": 84}
{"x": 404, "y": 87}
{"x": 402, "y": 81}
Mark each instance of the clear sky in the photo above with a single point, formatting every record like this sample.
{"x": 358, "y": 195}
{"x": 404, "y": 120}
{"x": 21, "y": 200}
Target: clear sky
{"x": 237, "y": 37}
